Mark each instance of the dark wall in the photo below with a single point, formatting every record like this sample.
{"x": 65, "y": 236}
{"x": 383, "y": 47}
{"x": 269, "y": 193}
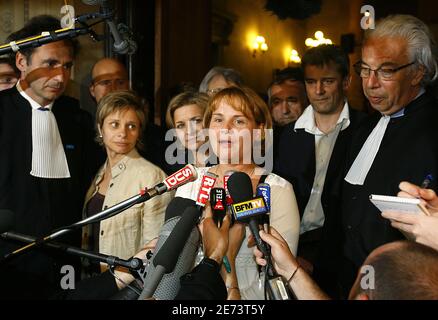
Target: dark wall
{"x": 183, "y": 46}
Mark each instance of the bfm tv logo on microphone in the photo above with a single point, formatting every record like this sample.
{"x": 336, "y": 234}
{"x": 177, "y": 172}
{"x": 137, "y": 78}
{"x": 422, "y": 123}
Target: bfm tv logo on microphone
{"x": 249, "y": 208}
{"x": 187, "y": 173}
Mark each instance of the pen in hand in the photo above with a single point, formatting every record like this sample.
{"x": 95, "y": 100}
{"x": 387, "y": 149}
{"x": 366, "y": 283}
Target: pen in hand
{"x": 426, "y": 182}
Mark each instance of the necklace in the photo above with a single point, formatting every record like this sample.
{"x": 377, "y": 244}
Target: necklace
{"x": 220, "y": 173}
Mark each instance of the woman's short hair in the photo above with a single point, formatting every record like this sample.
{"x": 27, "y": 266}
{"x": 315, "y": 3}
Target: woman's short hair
{"x": 244, "y": 100}
{"x": 184, "y": 99}
{"x": 119, "y": 101}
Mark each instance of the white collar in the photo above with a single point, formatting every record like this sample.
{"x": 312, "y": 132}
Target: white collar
{"x": 33, "y": 103}
{"x": 307, "y": 120}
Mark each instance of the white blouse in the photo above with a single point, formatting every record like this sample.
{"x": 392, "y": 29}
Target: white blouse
{"x": 284, "y": 217}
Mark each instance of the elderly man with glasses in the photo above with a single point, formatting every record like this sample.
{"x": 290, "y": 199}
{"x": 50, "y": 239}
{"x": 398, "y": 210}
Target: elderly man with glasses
{"x": 398, "y": 142}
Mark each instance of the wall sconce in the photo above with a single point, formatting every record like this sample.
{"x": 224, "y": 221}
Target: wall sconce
{"x": 319, "y": 39}
{"x": 259, "y": 44}
{"x": 294, "y": 57}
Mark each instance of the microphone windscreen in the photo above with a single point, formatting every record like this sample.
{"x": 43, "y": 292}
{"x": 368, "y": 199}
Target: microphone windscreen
{"x": 170, "y": 251}
{"x": 240, "y": 187}
{"x": 6, "y": 220}
{"x": 169, "y": 285}
{"x": 176, "y": 207}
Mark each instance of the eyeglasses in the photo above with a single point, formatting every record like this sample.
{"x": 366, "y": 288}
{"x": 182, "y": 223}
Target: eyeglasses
{"x": 112, "y": 82}
{"x": 381, "y": 72}
{"x": 8, "y": 79}
{"x": 277, "y": 101}
{"x": 212, "y": 92}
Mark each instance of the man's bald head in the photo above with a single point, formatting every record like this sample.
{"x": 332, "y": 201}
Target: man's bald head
{"x": 108, "y": 75}
{"x": 401, "y": 270}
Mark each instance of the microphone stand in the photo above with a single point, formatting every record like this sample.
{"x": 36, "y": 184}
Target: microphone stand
{"x": 105, "y": 214}
{"x": 61, "y": 34}
{"x": 132, "y": 264}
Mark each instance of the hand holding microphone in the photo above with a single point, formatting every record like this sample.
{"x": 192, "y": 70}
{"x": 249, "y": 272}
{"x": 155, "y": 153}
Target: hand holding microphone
{"x": 283, "y": 260}
{"x": 248, "y": 209}
{"x": 215, "y": 240}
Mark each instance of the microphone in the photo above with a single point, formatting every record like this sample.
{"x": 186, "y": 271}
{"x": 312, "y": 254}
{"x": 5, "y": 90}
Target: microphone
{"x": 226, "y": 177}
{"x": 174, "y": 181}
{"x": 264, "y": 190}
{"x": 123, "y": 42}
{"x": 166, "y": 257}
{"x": 175, "y": 252}
{"x": 246, "y": 208}
{"x": 207, "y": 183}
{"x": 218, "y": 205}
{"x": 171, "y": 217}
{"x": 6, "y": 220}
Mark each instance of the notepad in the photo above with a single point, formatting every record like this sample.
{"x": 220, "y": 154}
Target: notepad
{"x": 388, "y": 203}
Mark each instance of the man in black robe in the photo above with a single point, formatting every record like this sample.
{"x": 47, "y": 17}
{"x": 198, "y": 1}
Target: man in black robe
{"x": 398, "y": 143}
{"x": 46, "y": 161}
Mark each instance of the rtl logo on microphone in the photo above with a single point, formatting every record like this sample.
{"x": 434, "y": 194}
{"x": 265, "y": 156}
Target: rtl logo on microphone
{"x": 187, "y": 173}
{"x": 207, "y": 183}
{"x": 250, "y": 208}
{"x": 229, "y": 200}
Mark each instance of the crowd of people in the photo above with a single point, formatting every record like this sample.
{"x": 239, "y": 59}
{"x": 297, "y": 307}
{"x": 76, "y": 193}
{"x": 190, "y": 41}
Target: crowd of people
{"x": 58, "y": 167}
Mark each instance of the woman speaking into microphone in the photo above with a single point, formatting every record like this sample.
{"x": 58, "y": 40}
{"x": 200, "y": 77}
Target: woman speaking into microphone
{"x": 238, "y": 122}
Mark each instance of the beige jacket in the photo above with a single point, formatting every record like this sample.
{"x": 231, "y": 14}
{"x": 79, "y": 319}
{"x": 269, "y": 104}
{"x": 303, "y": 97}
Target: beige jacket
{"x": 126, "y": 233}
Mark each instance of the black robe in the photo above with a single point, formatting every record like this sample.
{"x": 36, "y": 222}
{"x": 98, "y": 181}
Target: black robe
{"x": 41, "y": 205}
{"x": 296, "y": 162}
{"x": 409, "y": 151}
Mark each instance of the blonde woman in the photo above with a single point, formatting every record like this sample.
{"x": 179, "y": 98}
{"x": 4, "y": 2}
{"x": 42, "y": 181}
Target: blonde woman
{"x": 119, "y": 120}
{"x": 185, "y": 114}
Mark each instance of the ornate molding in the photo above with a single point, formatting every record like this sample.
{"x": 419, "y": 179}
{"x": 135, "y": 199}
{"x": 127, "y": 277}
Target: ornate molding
{"x": 6, "y": 21}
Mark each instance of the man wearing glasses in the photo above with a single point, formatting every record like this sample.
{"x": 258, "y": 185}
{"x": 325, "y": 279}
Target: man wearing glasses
{"x": 399, "y": 142}
{"x": 108, "y": 75}
{"x": 312, "y": 154}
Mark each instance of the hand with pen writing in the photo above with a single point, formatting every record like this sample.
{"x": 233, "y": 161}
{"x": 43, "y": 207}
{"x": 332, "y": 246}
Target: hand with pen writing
{"x": 418, "y": 227}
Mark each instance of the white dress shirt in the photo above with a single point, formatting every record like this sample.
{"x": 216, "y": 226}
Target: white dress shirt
{"x": 313, "y": 216}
